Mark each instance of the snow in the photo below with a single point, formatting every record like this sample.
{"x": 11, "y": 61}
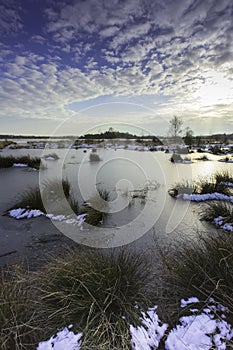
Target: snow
{"x": 65, "y": 339}
{"x": 192, "y": 300}
{"x": 201, "y": 332}
{"x": 22, "y": 213}
{"x": 206, "y": 197}
{"x": 228, "y": 184}
{"x": 49, "y": 158}
{"x": 19, "y": 165}
{"x": 81, "y": 218}
{"x": 219, "y": 221}
{"x": 148, "y": 335}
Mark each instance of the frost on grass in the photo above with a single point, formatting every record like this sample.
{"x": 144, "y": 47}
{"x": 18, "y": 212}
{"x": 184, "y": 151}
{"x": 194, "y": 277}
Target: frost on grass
{"x": 148, "y": 336}
{"x": 64, "y": 340}
{"x": 203, "y": 331}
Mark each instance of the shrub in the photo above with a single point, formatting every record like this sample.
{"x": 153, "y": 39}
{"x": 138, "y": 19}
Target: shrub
{"x": 97, "y": 293}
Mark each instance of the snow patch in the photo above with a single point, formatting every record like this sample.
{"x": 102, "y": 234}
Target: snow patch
{"x": 22, "y": 213}
{"x": 148, "y": 336}
{"x": 19, "y": 165}
{"x": 205, "y": 197}
{"x": 49, "y": 158}
{"x": 228, "y": 184}
{"x": 227, "y": 226}
{"x": 201, "y": 332}
{"x": 65, "y": 339}
{"x": 192, "y": 300}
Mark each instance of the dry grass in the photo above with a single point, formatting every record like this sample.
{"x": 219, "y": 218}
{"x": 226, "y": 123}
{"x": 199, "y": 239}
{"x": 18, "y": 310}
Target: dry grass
{"x": 203, "y": 269}
{"x": 18, "y": 324}
{"x": 97, "y": 293}
{"x": 7, "y": 162}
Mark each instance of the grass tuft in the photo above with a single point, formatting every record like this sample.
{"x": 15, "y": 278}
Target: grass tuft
{"x": 53, "y": 193}
{"x": 32, "y": 162}
{"x": 203, "y": 269}
{"x": 29, "y": 199}
{"x": 18, "y": 327}
{"x": 223, "y": 176}
{"x": 215, "y": 209}
{"x": 203, "y": 185}
{"x": 97, "y": 293}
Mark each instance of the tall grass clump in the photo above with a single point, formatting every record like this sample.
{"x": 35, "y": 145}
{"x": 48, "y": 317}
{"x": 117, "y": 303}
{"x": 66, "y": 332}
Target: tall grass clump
{"x": 32, "y": 162}
{"x": 203, "y": 269}
{"x": 30, "y": 199}
{"x": 201, "y": 186}
{"x": 53, "y": 195}
{"x": 18, "y": 327}
{"x": 211, "y": 186}
{"x": 182, "y": 188}
{"x": 216, "y": 209}
{"x": 97, "y": 207}
{"x": 223, "y": 177}
{"x": 98, "y": 293}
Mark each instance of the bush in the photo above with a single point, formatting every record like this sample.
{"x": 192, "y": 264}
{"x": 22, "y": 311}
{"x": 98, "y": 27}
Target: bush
{"x": 97, "y": 293}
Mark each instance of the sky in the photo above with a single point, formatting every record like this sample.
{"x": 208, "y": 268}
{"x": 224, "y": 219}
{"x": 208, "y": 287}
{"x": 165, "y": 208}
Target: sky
{"x": 69, "y": 67}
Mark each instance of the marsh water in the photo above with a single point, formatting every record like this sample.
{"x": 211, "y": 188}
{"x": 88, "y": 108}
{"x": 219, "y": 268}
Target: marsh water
{"x": 140, "y": 213}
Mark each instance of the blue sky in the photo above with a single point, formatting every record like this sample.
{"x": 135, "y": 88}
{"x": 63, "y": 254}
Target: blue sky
{"x": 70, "y": 66}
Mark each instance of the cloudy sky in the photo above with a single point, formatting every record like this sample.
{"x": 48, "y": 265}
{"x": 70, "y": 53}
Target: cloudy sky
{"x": 68, "y": 66}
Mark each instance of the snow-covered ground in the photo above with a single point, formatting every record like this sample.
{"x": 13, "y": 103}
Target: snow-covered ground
{"x": 201, "y": 330}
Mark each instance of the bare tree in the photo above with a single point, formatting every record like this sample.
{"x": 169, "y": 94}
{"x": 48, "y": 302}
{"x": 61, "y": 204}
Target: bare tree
{"x": 175, "y": 126}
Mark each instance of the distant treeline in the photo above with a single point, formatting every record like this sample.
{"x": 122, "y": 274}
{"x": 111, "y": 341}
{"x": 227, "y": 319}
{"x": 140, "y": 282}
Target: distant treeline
{"x": 112, "y": 134}
{"x": 119, "y": 135}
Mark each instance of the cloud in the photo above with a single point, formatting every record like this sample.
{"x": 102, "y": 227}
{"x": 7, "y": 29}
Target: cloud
{"x": 90, "y": 48}
{"x": 10, "y": 17}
